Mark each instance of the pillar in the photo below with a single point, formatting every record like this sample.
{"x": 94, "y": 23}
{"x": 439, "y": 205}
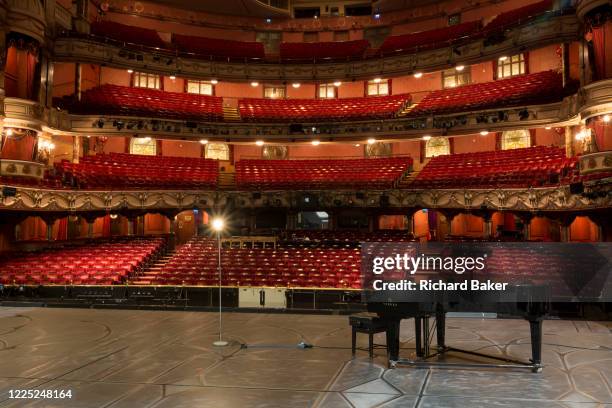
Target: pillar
{"x": 49, "y": 221}
{"x": 564, "y": 227}
{"x": 77, "y": 80}
{"x": 569, "y": 142}
{"x": 488, "y": 225}
{"x": 292, "y": 220}
{"x": 372, "y": 222}
{"x": 76, "y": 148}
{"x": 565, "y": 63}
{"x": 131, "y": 220}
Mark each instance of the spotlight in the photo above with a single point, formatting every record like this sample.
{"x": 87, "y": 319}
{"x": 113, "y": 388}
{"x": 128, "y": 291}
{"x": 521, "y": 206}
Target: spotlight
{"x": 606, "y": 118}
{"x": 203, "y": 141}
{"x": 426, "y": 137}
{"x": 460, "y": 68}
{"x": 484, "y": 132}
{"x": 254, "y": 84}
{"x": 214, "y": 81}
{"x": 337, "y": 83}
{"x": 259, "y": 143}
{"x": 296, "y": 85}
{"x": 418, "y": 75}
{"x": 371, "y": 141}
{"x": 315, "y": 142}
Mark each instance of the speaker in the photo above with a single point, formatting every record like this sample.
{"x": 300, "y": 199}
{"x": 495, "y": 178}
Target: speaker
{"x": 257, "y": 196}
{"x": 384, "y": 201}
{"x": 9, "y": 191}
{"x": 576, "y": 188}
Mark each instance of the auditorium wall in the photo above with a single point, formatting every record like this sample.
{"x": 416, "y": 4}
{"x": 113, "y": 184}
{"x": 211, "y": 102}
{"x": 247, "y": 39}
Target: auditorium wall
{"x": 181, "y": 148}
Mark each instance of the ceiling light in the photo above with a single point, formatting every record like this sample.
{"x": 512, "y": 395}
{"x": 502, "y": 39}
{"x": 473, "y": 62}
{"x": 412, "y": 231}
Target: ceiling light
{"x": 214, "y": 81}
{"x": 296, "y": 85}
{"x": 337, "y": 83}
{"x": 357, "y": 145}
{"x": 460, "y": 68}
{"x": 315, "y": 142}
{"x": 130, "y": 71}
{"x": 259, "y": 143}
{"x": 606, "y": 118}
{"x": 426, "y": 137}
{"x": 418, "y": 74}
{"x": 547, "y": 128}
{"x": 377, "y": 80}
{"x": 484, "y": 132}
{"x": 113, "y": 216}
{"x": 503, "y": 58}
{"x": 172, "y": 77}
{"x": 371, "y": 141}
{"x": 254, "y": 84}
{"x": 203, "y": 141}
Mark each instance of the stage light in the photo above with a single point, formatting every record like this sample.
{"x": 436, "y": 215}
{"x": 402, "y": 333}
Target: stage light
{"x": 254, "y": 84}
{"x": 371, "y": 141}
{"x": 218, "y": 224}
{"x": 606, "y": 118}
{"x": 460, "y": 68}
{"x": 337, "y": 83}
{"x": 377, "y": 80}
{"x": 426, "y": 137}
{"x": 9, "y": 132}
{"x": 203, "y": 141}
{"x": 315, "y": 142}
{"x": 296, "y": 85}
{"x": 130, "y": 71}
{"x": 259, "y": 143}
{"x": 418, "y": 75}
{"x": 503, "y": 58}
{"x": 214, "y": 81}
{"x": 484, "y": 132}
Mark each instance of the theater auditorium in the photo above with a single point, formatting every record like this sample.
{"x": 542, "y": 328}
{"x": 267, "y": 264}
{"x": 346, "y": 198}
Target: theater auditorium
{"x": 191, "y": 194}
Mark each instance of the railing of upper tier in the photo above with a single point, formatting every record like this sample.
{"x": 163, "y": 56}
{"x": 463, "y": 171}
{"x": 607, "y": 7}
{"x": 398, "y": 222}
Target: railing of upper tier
{"x": 173, "y": 52}
{"x": 326, "y": 157}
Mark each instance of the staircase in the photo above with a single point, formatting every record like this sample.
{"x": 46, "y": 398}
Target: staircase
{"x": 149, "y": 274}
{"x": 231, "y": 114}
{"x": 408, "y": 177}
{"x": 227, "y": 178}
{"x": 406, "y": 109}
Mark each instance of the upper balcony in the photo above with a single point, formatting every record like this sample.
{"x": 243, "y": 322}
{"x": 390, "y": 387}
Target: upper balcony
{"x": 221, "y": 59}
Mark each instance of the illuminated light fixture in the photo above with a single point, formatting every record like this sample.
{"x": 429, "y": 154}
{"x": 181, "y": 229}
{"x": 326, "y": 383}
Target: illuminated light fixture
{"x": 606, "y": 118}
{"x": 377, "y": 80}
{"x": 460, "y": 68}
{"x": 146, "y": 139}
{"x": 113, "y": 216}
{"x": 268, "y": 20}
{"x": 130, "y": 71}
{"x": 503, "y": 58}
{"x": 9, "y": 132}
{"x": 214, "y": 81}
{"x": 426, "y": 137}
{"x": 357, "y": 145}
{"x": 337, "y": 83}
{"x": 418, "y": 75}
{"x": 172, "y": 77}
{"x": 259, "y": 143}
{"x": 371, "y": 141}
{"x": 218, "y": 224}
{"x": 547, "y": 128}
{"x": 580, "y": 135}
{"x": 296, "y": 85}
{"x": 203, "y": 141}
{"x": 315, "y": 142}
{"x": 484, "y": 132}
{"x": 51, "y": 146}
{"x": 254, "y": 84}
{"x": 376, "y": 16}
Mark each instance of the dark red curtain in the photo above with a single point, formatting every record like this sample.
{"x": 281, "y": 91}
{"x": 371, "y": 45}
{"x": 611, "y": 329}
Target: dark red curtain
{"x": 19, "y": 146}
{"x": 106, "y": 226}
{"x": 599, "y": 48}
{"x": 62, "y": 229}
{"x": 598, "y": 132}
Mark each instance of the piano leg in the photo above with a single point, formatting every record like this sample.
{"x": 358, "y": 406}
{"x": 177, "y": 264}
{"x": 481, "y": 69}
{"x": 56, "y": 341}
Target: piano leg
{"x": 535, "y": 327}
{"x": 418, "y": 336}
{"x": 393, "y": 332}
{"x": 440, "y": 328}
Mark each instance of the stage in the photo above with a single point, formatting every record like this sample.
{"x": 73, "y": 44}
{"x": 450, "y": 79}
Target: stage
{"x": 133, "y": 358}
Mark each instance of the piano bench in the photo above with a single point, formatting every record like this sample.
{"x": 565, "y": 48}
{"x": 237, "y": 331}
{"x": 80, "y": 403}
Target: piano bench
{"x": 369, "y": 324}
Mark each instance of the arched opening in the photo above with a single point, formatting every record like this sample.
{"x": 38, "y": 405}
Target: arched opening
{"x": 143, "y": 145}
{"x": 186, "y": 226}
{"x": 437, "y": 146}
{"x": 217, "y": 151}
{"x": 515, "y": 139}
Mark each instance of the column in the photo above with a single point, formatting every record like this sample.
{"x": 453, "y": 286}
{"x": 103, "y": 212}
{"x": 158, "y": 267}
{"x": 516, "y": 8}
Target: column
{"x": 77, "y": 80}
{"x": 76, "y": 148}
{"x": 488, "y": 225}
{"x": 131, "y": 221}
{"x": 569, "y": 142}
{"x": 49, "y": 221}
{"x": 564, "y": 227}
{"x": 372, "y": 222}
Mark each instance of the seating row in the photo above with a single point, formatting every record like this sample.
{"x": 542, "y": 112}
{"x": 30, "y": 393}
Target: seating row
{"x": 323, "y": 51}
{"x": 89, "y": 264}
{"x": 316, "y": 174}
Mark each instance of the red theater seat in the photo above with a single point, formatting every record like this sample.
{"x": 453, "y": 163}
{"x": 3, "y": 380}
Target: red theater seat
{"x": 129, "y": 171}
{"x": 320, "y": 174}
{"x": 528, "y": 167}
{"x": 540, "y": 87}
{"x": 517, "y": 16}
{"x": 280, "y": 110}
{"x": 128, "y": 34}
{"x": 144, "y": 102}
{"x": 90, "y": 264}
{"x": 323, "y": 51}
{"x": 218, "y": 48}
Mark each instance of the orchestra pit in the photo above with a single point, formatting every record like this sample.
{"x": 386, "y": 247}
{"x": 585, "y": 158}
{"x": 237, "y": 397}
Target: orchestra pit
{"x": 193, "y": 196}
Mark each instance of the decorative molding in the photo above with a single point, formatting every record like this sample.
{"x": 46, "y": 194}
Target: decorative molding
{"x": 553, "y": 199}
{"x": 538, "y": 34}
{"x": 27, "y": 114}
{"x": 584, "y": 6}
{"x": 20, "y": 168}
{"x": 596, "y": 162}
{"x": 27, "y": 17}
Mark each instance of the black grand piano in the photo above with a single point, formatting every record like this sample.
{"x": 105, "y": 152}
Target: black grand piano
{"x": 393, "y": 312}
